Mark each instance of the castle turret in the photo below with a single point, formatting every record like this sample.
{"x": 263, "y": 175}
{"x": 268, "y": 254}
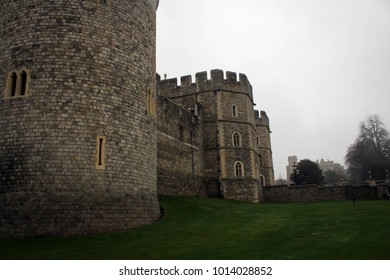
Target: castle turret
{"x": 264, "y": 147}
{"x": 292, "y": 165}
{"x": 77, "y": 116}
{"x": 231, "y": 161}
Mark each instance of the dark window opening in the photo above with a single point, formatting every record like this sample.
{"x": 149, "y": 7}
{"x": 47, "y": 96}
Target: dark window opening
{"x": 239, "y": 169}
{"x": 23, "y": 76}
{"x": 236, "y": 139}
{"x": 234, "y": 111}
{"x": 100, "y": 152}
{"x": 13, "y": 84}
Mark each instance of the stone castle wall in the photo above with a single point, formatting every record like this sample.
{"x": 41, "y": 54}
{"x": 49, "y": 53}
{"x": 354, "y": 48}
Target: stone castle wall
{"x": 84, "y": 143}
{"x": 78, "y": 149}
{"x": 227, "y": 109}
{"x": 180, "y": 158}
{"x": 311, "y": 193}
{"x": 205, "y": 83}
{"x": 264, "y": 148}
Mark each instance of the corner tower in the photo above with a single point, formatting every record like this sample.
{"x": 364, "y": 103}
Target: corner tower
{"x": 77, "y": 116}
{"x": 264, "y": 148}
{"x": 231, "y": 159}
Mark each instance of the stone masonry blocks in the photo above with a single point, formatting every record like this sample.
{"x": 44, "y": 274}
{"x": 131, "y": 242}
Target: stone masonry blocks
{"x": 91, "y": 66}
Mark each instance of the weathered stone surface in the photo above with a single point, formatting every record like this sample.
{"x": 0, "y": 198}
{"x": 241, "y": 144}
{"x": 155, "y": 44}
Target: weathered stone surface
{"x": 180, "y": 167}
{"x": 91, "y": 66}
{"x": 227, "y": 109}
{"x": 310, "y": 193}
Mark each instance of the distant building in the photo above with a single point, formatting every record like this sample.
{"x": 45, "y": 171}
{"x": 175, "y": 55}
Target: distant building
{"x": 327, "y": 165}
{"x": 292, "y": 162}
{"x": 330, "y": 165}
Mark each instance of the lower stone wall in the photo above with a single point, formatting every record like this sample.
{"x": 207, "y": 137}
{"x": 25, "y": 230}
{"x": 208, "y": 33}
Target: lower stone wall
{"x": 309, "y": 193}
{"x": 47, "y": 213}
{"x": 241, "y": 189}
{"x": 174, "y": 171}
{"x": 179, "y": 151}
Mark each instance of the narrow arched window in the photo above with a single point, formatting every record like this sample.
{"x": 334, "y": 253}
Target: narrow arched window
{"x": 13, "y": 82}
{"x": 236, "y": 139}
{"x": 234, "y": 111}
{"x": 100, "y": 152}
{"x": 151, "y": 103}
{"x": 239, "y": 169}
{"x": 17, "y": 84}
{"x": 23, "y": 86}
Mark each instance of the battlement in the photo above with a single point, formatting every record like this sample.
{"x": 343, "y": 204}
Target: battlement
{"x": 261, "y": 118}
{"x": 217, "y": 81}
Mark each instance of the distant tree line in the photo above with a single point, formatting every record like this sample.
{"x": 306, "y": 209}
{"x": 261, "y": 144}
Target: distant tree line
{"x": 367, "y": 158}
{"x": 309, "y": 172}
{"x": 370, "y": 154}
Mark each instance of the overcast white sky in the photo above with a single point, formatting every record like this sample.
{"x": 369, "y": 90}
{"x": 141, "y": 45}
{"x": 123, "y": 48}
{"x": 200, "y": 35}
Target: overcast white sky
{"x": 317, "y": 67}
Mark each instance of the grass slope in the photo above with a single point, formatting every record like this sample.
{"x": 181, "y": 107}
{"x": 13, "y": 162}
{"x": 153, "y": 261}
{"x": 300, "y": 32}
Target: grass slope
{"x": 204, "y": 228}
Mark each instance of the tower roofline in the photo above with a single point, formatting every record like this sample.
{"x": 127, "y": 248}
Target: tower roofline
{"x": 204, "y": 82}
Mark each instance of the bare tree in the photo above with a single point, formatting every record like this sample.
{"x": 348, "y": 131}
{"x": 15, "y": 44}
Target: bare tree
{"x": 370, "y": 152}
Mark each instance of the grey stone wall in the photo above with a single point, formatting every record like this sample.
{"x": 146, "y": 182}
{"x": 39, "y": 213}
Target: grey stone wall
{"x": 180, "y": 158}
{"x": 309, "y": 193}
{"x": 218, "y": 94}
{"x": 264, "y": 147}
{"x": 244, "y": 189}
{"x": 91, "y": 67}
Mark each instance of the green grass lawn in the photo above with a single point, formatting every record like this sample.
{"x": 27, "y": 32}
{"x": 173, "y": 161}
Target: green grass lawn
{"x": 204, "y": 228}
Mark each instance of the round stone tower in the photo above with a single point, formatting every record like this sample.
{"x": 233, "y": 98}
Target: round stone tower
{"x": 77, "y": 116}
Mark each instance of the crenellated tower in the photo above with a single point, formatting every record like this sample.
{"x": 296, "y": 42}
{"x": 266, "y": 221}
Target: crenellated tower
{"x": 232, "y": 162}
{"x": 263, "y": 142}
{"x": 78, "y": 142}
